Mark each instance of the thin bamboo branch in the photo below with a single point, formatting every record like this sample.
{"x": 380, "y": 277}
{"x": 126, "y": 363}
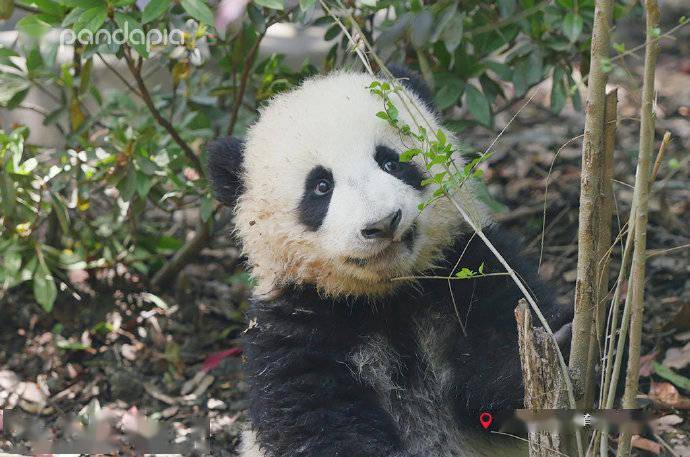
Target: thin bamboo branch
{"x": 585, "y": 287}
{"x": 642, "y": 187}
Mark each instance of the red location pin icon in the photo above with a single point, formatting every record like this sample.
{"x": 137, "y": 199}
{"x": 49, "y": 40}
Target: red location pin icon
{"x": 485, "y": 419}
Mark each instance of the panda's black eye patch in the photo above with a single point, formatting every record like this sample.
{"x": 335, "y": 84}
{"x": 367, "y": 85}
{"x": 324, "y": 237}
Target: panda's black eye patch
{"x": 407, "y": 172}
{"x": 318, "y": 188}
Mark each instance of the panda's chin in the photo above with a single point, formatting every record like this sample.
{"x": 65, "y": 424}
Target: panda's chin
{"x": 390, "y": 255}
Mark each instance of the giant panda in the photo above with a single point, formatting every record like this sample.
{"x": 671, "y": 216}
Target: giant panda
{"x": 354, "y": 347}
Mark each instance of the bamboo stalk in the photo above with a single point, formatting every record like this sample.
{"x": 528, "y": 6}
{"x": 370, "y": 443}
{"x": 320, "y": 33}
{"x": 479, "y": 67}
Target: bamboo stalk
{"x": 585, "y": 287}
{"x": 642, "y": 180}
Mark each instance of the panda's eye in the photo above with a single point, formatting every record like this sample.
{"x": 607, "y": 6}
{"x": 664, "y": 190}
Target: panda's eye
{"x": 391, "y": 166}
{"x": 323, "y": 186}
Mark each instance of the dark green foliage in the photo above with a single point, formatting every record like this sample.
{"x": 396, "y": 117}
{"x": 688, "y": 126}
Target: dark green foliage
{"x": 106, "y": 195}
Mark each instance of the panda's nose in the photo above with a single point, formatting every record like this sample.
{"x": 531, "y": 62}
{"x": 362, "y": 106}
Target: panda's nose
{"x": 383, "y": 228}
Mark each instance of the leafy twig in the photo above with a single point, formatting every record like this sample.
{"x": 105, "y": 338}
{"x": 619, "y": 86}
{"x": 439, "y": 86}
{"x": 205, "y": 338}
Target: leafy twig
{"x": 119, "y": 76}
{"x": 135, "y": 69}
{"x": 246, "y": 70}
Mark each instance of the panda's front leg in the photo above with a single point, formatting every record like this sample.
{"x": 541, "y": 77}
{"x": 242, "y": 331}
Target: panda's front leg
{"x": 494, "y": 380}
{"x": 305, "y": 399}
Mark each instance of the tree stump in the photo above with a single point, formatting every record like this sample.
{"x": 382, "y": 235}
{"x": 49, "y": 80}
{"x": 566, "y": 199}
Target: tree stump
{"x": 543, "y": 381}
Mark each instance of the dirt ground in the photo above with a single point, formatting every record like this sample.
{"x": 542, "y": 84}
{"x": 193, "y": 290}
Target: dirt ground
{"x": 119, "y": 353}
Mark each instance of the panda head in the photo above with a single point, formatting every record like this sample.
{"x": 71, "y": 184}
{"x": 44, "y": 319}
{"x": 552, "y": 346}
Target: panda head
{"x": 321, "y": 197}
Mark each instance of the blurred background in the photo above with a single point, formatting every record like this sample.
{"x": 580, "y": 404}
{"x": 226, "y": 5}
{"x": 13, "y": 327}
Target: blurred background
{"x": 122, "y": 292}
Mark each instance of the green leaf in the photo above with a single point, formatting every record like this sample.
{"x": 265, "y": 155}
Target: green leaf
{"x": 306, "y": 5}
{"x": 572, "y": 26}
{"x": 478, "y": 105}
{"x": 72, "y": 17}
{"x": 559, "y": 94}
{"x": 421, "y": 29}
{"x": 11, "y": 85}
{"x": 154, "y": 9}
{"x": 332, "y": 32}
{"x": 465, "y": 273}
{"x": 452, "y": 36}
{"x": 273, "y": 4}
{"x": 60, "y": 212}
{"x": 198, "y": 10}
{"x": 670, "y": 375}
{"x": 206, "y": 208}
{"x": 13, "y": 260}
{"x": 86, "y": 4}
{"x": 34, "y": 25}
{"x": 409, "y": 154}
{"x": 567, "y": 4}
{"x": 520, "y": 72}
{"x": 8, "y": 194}
{"x": 137, "y": 41}
{"x": 257, "y": 18}
{"x": 447, "y": 96}
{"x": 535, "y": 60}
{"x": 506, "y": 7}
{"x": 444, "y": 20}
{"x": 72, "y": 345}
{"x": 91, "y": 19}
{"x": 45, "y": 291}
{"x": 5, "y": 55}
{"x": 49, "y": 7}
{"x": 501, "y": 69}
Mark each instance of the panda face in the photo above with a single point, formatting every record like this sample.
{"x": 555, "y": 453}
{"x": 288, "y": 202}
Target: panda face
{"x": 326, "y": 200}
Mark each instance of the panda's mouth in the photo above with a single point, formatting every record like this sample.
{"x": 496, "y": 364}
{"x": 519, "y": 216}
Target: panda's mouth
{"x": 407, "y": 240}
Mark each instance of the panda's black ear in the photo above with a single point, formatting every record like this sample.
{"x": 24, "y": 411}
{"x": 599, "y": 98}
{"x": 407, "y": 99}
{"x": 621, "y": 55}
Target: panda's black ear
{"x": 414, "y": 83}
{"x": 225, "y": 165}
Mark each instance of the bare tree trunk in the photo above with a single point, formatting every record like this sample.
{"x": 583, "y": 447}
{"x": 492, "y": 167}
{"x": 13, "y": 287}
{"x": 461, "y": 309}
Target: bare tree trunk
{"x": 585, "y": 288}
{"x": 642, "y": 188}
{"x": 544, "y": 385}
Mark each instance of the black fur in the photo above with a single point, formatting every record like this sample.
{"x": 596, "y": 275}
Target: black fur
{"x": 305, "y": 396}
{"x": 225, "y": 158}
{"x": 407, "y": 172}
{"x": 313, "y": 208}
{"x": 413, "y": 82}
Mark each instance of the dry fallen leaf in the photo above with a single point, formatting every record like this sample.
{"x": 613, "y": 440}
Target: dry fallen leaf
{"x": 646, "y": 445}
{"x": 683, "y": 336}
{"x": 667, "y": 395}
{"x": 646, "y": 367}
{"x": 677, "y": 357}
{"x": 665, "y": 423}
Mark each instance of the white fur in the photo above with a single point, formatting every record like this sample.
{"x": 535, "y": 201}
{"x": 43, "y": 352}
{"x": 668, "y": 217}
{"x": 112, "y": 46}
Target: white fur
{"x": 249, "y": 446}
{"x": 331, "y": 121}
